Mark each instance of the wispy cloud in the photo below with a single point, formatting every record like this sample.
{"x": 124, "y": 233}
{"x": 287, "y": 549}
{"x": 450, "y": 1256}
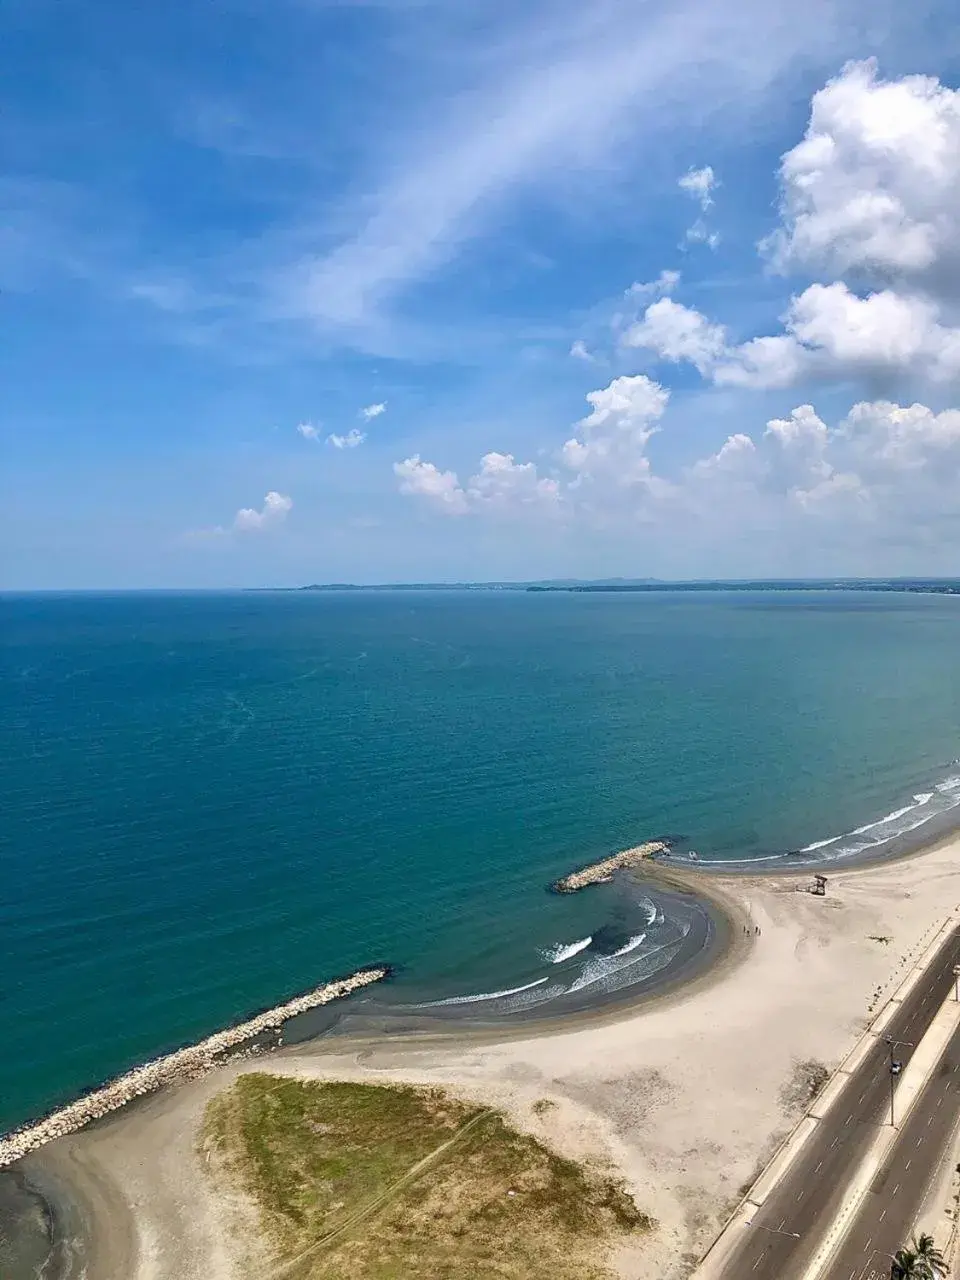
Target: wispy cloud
{"x": 563, "y": 106}
{"x": 699, "y": 183}
{"x": 352, "y": 440}
{"x": 373, "y": 411}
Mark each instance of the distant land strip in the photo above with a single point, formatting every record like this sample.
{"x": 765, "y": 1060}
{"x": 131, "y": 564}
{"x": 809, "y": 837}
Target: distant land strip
{"x": 920, "y": 586}
{"x": 173, "y": 1068}
{"x": 600, "y": 872}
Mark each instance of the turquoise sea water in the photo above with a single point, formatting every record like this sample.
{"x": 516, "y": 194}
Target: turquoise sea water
{"x": 211, "y": 802}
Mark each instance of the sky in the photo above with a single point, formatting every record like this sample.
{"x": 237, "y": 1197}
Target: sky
{"x": 449, "y": 290}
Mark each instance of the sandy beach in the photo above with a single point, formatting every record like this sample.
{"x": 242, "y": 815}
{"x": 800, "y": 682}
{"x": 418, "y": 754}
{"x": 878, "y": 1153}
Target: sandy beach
{"x": 686, "y": 1095}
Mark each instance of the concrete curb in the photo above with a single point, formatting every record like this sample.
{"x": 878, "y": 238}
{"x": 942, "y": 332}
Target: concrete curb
{"x": 715, "y": 1258}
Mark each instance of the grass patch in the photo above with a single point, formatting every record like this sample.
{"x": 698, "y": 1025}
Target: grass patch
{"x": 385, "y": 1183}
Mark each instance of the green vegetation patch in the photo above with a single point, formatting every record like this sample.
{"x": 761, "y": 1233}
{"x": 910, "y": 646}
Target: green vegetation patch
{"x": 385, "y": 1183}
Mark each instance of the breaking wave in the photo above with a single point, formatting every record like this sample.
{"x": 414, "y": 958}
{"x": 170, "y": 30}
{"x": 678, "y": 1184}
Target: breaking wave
{"x": 631, "y": 945}
{"x": 483, "y": 995}
{"x": 899, "y": 822}
{"x": 563, "y": 951}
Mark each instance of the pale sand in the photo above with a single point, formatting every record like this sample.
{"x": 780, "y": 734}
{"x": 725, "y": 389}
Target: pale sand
{"x": 686, "y": 1096}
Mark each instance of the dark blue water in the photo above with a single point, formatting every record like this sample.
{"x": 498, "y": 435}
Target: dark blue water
{"x": 211, "y": 802}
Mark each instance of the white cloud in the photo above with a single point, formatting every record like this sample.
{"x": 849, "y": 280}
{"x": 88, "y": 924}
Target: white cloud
{"x": 373, "y": 411}
{"x": 308, "y": 431}
{"x": 275, "y": 509}
{"x": 874, "y": 187}
{"x": 502, "y": 482}
{"x": 610, "y": 444}
{"x": 883, "y": 469}
{"x": 665, "y": 283}
{"x": 905, "y": 438}
{"x": 700, "y": 233}
{"x": 424, "y": 480}
{"x": 352, "y": 440}
{"x": 700, "y": 184}
{"x": 537, "y": 111}
{"x": 579, "y": 352}
{"x": 829, "y": 332}
{"x": 677, "y": 333}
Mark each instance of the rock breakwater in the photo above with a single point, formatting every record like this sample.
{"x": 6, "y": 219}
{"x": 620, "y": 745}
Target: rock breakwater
{"x": 600, "y": 872}
{"x": 173, "y": 1068}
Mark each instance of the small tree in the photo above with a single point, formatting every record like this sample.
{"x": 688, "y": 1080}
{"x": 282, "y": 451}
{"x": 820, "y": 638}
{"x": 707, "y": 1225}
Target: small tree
{"x": 905, "y": 1266}
{"x": 921, "y": 1261}
{"x": 929, "y": 1257}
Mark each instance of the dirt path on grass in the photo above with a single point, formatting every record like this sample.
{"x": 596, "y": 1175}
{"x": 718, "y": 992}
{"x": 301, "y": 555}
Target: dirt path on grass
{"x": 430, "y": 1159}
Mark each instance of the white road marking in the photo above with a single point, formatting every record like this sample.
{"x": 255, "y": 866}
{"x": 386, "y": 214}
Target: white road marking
{"x": 882, "y": 1216}
{"x": 896, "y": 1188}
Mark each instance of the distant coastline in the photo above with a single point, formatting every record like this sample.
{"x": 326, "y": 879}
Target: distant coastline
{"x": 919, "y": 586}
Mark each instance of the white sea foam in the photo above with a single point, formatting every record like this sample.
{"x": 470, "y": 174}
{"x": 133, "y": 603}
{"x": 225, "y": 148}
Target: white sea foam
{"x": 483, "y": 995}
{"x": 564, "y": 950}
{"x": 890, "y": 817}
{"x": 899, "y": 822}
{"x": 605, "y": 972}
{"x": 631, "y": 945}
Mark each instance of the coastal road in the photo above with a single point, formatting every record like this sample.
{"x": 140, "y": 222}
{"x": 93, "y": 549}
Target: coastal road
{"x": 891, "y": 1207}
{"x": 785, "y": 1232}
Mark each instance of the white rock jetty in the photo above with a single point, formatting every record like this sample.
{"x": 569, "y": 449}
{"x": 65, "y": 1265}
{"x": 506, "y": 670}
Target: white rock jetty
{"x": 184, "y": 1064}
{"x": 600, "y": 872}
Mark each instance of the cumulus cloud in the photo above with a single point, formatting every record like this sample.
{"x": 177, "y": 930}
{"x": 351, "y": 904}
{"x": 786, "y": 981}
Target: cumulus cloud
{"x": 352, "y": 440}
{"x": 829, "y": 332}
{"x": 874, "y": 187}
{"x": 308, "y": 431}
{"x": 373, "y": 411}
{"x": 275, "y": 509}
{"x": 441, "y": 489}
{"x": 610, "y": 443}
{"x": 503, "y": 482}
{"x": 881, "y": 460}
{"x": 872, "y": 191}
{"x": 579, "y": 352}
{"x": 676, "y": 333}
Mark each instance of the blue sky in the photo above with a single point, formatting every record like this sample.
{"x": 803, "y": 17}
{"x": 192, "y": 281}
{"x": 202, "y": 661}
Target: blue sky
{"x": 224, "y": 223}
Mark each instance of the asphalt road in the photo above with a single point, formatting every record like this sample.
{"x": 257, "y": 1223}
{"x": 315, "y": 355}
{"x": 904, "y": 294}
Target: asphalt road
{"x": 892, "y": 1205}
{"x": 786, "y": 1231}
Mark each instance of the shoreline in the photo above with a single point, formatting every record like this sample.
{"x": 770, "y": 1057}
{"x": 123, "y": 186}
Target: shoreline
{"x": 685, "y": 1091}
{"x": 634, "y": 1082}
{"x": 186, "y": 1063}
{"x": 696, "y": 879}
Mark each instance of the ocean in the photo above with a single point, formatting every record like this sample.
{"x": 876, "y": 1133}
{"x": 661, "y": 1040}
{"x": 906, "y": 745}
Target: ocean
{"x": 213, "y": 801}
